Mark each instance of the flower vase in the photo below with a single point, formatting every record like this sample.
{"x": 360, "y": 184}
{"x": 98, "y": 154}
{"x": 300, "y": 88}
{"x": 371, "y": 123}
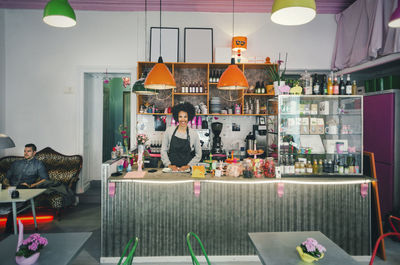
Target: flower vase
{"x": 307, "y": 257}
{"x": 278, "y": 84}
{"x": 21, "y": 260}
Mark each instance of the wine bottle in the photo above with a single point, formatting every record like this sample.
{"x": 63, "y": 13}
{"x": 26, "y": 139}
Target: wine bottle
{"x": 335, "y": 86}
{"x": 342, "y": 87}
{"x": 354, "y": 88}
{"x": 349, "y": 89}
{"x": 316, "y": 85}
{"x": 329, "y": 86}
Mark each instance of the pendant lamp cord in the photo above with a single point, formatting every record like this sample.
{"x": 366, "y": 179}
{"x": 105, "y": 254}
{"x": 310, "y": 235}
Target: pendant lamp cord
{"x": 233, "y": 18}
{"x": 160, "y": 28}
{"x": 145, "y": 28}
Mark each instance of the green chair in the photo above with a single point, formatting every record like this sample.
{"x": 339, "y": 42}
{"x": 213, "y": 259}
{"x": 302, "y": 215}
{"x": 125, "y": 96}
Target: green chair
{"x": 194, "y": 259}
{"x": 129, "y": 259}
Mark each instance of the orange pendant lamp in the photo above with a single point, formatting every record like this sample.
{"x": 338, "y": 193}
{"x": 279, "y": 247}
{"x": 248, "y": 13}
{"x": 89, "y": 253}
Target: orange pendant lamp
{"x": 233, "y": 78}
{"x": 160, "y": 78}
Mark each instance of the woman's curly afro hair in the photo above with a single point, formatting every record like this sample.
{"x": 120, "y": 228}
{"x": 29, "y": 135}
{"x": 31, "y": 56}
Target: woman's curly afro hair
{"x": 186, "y": 107}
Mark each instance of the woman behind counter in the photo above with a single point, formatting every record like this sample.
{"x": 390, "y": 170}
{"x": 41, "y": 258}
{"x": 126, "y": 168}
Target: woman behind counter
{"x": 181, "y": 145}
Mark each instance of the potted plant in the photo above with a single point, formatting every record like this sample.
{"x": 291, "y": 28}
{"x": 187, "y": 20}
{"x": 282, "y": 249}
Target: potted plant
{"x": 310, "y": 250}
{"x": 276, "y": 75}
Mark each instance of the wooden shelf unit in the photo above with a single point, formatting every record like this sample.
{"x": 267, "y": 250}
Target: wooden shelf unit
{"x": 200, "y": 72}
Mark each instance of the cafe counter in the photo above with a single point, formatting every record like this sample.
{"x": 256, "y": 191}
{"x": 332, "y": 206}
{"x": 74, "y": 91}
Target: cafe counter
{"x": 162, "y": 208}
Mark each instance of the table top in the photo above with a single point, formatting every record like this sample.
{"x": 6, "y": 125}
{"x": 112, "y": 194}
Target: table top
{"x": 62, "y": 248}
{"x": 24, "y": 195}
{"x": 280, "y": 248}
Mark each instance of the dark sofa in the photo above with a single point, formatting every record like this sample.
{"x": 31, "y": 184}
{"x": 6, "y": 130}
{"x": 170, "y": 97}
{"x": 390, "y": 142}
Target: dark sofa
{"x": 62, "y": 169}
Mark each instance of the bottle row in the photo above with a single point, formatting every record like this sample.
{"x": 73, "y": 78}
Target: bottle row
{"x": 215, "y": 75}
{"x": 192, "y": 87}
{"x": 345, "y": 164}
{"x": 321, "y": 85}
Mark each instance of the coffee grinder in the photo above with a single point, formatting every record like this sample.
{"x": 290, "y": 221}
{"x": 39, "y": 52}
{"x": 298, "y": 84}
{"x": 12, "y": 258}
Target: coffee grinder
{"x": 217, "y": 152}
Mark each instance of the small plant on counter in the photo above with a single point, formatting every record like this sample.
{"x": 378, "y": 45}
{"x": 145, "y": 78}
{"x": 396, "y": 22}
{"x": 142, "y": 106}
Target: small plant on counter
{"x": 33, "y": 244}
{"x": 274, "y": 71}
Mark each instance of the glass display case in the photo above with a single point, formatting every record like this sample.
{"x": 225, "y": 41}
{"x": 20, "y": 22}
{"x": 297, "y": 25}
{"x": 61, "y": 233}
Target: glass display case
{"x": 318, "y": 135}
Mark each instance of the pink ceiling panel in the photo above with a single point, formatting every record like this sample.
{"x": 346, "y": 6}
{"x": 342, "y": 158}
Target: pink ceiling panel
{"x": 241, "y": 6}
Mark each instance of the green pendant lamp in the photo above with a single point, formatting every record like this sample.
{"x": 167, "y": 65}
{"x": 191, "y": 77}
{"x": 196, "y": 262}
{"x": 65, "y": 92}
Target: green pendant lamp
{"x": 59, "y": 13}
{"x": 138, "y": 88}
{"x": 293, "y": 12}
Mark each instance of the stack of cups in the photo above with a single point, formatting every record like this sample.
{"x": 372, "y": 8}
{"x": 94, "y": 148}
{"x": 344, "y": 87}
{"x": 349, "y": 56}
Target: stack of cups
{"x": 215, "y": 105}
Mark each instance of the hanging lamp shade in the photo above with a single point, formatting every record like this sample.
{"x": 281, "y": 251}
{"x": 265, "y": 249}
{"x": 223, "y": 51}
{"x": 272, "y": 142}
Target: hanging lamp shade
{"x": 6, "y": 142}
{"x": 59, "y": 13}
{"x": 232, "y": 78}
{"x": 394, "y": 21}
{"x": 160, "y": 78}
{"x": 293, "y": 12}
{"x": 239, "y": 43}
{"x": 138, "y": 88}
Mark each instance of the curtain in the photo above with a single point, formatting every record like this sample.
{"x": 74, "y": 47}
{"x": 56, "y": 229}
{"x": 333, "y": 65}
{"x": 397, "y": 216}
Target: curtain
{"x": 363, "y": 33}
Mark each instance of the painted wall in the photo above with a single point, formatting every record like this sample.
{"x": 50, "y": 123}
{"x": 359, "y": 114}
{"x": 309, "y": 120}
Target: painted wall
{"x": 2, "y": 73}
{"x": 45, "y": 65}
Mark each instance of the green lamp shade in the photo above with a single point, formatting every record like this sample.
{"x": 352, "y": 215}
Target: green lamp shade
{"x": 139, "y": 88}
{"x": 58, "y": 13}
{"x": 293, "y": 12}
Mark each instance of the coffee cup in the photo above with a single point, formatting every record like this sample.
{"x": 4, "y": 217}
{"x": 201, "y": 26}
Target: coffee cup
{"x": 331, "y": 129}
{"x": 11, "y": 189}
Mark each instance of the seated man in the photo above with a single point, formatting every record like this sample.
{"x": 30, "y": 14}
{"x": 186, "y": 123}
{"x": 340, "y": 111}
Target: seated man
{"x": 24, "y": 174}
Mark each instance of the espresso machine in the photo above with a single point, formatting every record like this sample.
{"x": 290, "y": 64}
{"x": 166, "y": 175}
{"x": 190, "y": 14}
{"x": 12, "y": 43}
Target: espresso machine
{"x": 217, "y": 152}
{"x": 260, "y": 134}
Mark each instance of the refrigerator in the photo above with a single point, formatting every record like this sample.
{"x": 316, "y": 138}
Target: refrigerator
{"x": 382, "y": 137}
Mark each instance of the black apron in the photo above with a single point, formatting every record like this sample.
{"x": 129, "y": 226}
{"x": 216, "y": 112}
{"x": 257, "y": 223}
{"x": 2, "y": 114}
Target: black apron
{"x": 179, "y": 152}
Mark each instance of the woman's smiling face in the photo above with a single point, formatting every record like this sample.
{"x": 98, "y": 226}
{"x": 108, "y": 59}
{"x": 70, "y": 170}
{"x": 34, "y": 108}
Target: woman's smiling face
{"x": 183, "y": 118}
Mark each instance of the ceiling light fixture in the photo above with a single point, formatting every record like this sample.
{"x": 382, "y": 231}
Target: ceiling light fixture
{"x": 233, "y": 78}
{"x": 293, "y": 12}
{"x": 394, "y": 21}
{"x": 160, "y": 78}
{"x": 59, "y": 13}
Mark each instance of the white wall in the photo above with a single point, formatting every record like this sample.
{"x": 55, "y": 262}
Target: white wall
{"x": 2, "y": 74}
{"x": 44, "y": 64}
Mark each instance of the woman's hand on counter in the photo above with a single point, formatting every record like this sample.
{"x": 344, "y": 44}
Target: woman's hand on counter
{"x": 183, "y": 168}
{"x": 173, "y": 167}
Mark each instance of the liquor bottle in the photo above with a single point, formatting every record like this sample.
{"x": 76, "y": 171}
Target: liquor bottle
{"x": 341, "y": 167}
{"x": 335, "y": 86}
{"x": 257, "y": 88}
{"x": 329, "y": 86}
{"x": 211, "y": 76}
{"x": 323, "y": 87}
{"x": 262, "y": 88}
{"x": 349, "y": 89}
{"x": 354, "y": 88}
{"x": 336, "y": 165}
{"x": 320, "y": 167}
{"x": 330, "y": 166}
{"x": 316, "y": 85}
{"x": 309, "y": 168}
{"x": 315, "y": 167}
{"x": 218, "y": 76}
{"x": 342, "y": 87}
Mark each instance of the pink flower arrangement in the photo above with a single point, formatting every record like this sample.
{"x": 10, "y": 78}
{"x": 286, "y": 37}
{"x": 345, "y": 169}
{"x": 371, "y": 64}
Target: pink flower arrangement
{"x": 142, "y": 138}
{"x": 312, "y": 247}
{"x": 125, "y": 137}
{"x": 33, "y": 244}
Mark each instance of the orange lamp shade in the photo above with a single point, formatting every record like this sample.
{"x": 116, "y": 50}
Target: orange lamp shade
{"x": 160, "y": 78}
{"x": 232, "y": 79}
{"x": 239, "y": 43}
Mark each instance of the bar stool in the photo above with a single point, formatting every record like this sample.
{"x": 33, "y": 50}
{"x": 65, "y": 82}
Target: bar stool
{"x": 131, "y": 254}
{"x": 194, "y": 259}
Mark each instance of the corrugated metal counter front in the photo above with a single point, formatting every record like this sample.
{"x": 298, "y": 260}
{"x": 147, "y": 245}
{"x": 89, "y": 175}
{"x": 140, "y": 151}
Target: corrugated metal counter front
{"x": 162, "y": 208}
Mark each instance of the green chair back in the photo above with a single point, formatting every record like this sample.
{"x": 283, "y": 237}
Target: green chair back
{"x": 194, "y": 259}
{"x": 129, "y": 259}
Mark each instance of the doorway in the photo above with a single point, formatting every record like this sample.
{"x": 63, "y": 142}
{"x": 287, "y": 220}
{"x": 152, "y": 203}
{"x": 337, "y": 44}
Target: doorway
{"x": 103, "y": 112}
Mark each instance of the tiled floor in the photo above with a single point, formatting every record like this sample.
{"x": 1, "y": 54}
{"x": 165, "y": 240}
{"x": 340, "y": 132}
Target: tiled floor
{"x": 86, "y": 218}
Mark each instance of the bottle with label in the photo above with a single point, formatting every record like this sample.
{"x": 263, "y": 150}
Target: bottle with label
{"x": 335, "y": 86}
{"x": 336, "y": 165}
{"x": 341, "y": 167}
{"x": 323, "y": 88}
{"x": 342, "y": 87}
{"x": 309, "y": 168}
{"x": 354, "y": 88}
{"x": 320, "y": 167}
{"x": 315, "y": 166}
{"x": 329, "y": 86}
{"x": 316, "y": 85}
{"x": 349, "y": 88}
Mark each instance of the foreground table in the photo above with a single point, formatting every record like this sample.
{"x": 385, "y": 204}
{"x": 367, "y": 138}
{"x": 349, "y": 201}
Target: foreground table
{"x": 24, "y": 195}
{"x": 280, "y": 248}
{"x": 62, "y": 248}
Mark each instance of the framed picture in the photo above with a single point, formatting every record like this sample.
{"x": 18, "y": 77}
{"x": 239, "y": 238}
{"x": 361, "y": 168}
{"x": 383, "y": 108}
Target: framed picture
{"x": 169, "y": 44}
{"x": 198, "y": 44}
